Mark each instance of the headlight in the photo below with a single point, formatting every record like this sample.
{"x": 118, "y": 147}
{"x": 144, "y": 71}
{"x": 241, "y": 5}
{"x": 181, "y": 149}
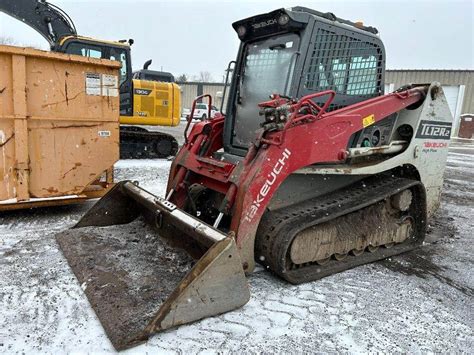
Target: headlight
{"x": 283, "y": 19}
{"x": 241, "y": 31}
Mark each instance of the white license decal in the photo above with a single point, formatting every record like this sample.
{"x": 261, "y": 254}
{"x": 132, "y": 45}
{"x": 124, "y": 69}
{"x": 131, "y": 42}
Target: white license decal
{"x": 104, "y": 133}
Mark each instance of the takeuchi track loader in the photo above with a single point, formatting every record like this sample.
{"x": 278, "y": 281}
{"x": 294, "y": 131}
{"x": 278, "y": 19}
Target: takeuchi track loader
{"x": 312, "y": 171}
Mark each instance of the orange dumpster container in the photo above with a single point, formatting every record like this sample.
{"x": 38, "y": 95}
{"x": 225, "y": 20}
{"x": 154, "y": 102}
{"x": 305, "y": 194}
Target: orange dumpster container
{"x": 59, "y": 127}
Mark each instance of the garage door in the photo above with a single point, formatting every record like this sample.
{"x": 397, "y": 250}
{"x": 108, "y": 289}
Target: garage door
{"x": 452, "y": 95}
{"x": 389, "y": 88}
{"x": 455, "y": 97}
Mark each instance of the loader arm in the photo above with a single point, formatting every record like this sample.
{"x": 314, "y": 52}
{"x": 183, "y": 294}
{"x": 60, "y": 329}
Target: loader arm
{"x": 47, "y": 19}
{"x": 275, "y": 151}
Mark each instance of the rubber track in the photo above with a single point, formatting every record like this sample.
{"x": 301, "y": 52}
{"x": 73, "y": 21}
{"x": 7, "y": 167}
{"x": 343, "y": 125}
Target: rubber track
{"x": 141, "y": 144}
{"x": 278, "y": 228}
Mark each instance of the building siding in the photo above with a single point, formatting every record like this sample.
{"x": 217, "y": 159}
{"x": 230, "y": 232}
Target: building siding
{"x": 398, "y": 77}
{"x": 445, "y": 77}
{"x": 190, "y": 90}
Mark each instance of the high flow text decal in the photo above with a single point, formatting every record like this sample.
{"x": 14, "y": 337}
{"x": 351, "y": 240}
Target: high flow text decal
{"x": 434, "y": 130}
{"x": 266, "y": 187}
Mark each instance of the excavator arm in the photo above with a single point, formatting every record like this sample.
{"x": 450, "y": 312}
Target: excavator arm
{"x": 49, "y": 20}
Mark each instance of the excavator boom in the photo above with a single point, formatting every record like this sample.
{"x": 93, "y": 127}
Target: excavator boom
{"x": 49, "y": 20}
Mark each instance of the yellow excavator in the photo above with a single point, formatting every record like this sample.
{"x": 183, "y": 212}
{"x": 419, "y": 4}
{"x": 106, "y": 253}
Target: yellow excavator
{"x": 147, "y": 97}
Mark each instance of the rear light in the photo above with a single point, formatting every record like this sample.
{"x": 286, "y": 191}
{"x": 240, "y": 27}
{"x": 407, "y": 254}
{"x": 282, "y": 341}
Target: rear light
{"x": 283, "y": 19}
{"x": 241, "y": 31}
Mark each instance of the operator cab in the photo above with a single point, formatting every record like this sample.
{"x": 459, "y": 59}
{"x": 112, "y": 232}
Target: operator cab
{"x": 294, "y": 53}
{"x": 119, "y": 51}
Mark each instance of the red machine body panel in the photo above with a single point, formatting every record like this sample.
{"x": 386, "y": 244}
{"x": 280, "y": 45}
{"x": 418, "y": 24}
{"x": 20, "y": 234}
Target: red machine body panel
{"x": 309, "y": 136}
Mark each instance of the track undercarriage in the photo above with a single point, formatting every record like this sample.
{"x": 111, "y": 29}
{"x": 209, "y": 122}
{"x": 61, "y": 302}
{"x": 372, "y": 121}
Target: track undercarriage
{"x": 367, "y": 221}
{"x": 139, "y": 143}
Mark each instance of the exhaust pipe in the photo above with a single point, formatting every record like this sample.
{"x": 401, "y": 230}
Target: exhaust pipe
{"x": 147, "y": 64}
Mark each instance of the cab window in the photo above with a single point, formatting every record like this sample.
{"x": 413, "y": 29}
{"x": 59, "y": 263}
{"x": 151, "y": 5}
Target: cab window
{"x": 120, "y": 55}
{"x": 93, "y": 51}
{"x": 85, "y": 50}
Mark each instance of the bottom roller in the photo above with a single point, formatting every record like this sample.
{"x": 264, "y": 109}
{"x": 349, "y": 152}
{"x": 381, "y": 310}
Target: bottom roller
{"x": 139, "y": 281}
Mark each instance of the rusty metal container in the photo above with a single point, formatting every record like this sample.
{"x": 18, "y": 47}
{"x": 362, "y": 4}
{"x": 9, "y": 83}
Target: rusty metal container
{"x": 59, "y": 127}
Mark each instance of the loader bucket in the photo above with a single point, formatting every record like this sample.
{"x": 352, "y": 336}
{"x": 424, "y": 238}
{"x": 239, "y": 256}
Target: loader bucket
{"x": 141, "y": 280}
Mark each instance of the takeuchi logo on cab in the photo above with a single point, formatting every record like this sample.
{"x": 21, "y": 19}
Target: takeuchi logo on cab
{"x": 264, "y": 23}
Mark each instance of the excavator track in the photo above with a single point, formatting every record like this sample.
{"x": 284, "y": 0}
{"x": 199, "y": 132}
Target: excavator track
{"x": 367, "y": 221}
{"x": 139, "y": 143}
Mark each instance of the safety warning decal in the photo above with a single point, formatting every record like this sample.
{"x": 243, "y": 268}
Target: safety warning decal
{"x": 367, "y": 121}
{"x": 93, "y": 84}
{"x": 109, "y": 85}
{"x": 105, "y": 84}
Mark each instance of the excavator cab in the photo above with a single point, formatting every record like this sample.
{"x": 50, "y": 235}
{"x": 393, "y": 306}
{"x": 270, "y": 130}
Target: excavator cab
{"x": 119, "y": 51}
{"x": 146, "y": 97}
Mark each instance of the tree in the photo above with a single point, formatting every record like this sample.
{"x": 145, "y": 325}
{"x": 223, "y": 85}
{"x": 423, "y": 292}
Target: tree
{"x": 7, "y": 41}
{"x": 205, "y": 77}
{"x": 182, "y": 78}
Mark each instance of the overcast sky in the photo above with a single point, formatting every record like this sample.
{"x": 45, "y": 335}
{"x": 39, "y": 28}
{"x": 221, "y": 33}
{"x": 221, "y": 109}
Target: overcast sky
{"x": 192, "y": 36}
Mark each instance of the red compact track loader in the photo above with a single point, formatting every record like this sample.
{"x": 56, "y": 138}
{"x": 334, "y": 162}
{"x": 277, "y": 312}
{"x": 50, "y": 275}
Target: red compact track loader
{"x": 326, "y": 175}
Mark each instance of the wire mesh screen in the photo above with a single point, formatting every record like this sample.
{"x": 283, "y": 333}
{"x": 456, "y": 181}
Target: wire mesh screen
{"x": 344, "y": 64}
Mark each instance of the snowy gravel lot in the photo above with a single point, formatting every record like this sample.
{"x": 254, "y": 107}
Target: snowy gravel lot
{"x": 418, "y": 302}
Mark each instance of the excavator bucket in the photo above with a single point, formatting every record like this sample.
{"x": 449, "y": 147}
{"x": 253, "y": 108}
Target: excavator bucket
{"x": 141, "y": 279}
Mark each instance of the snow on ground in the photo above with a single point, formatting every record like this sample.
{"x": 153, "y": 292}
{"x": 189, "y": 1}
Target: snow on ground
{"x": 418, "y": 302}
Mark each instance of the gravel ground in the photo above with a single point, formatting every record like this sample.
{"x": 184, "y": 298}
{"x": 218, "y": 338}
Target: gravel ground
{"x": 418, "y": 302}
